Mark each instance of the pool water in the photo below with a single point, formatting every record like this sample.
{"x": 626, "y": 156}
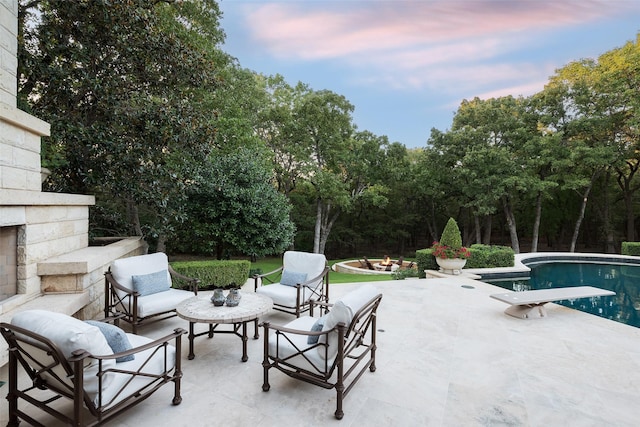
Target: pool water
{"x": 624, "y": 280}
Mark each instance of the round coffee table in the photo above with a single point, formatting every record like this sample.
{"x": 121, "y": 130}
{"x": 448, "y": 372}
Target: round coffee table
{"x": 200, "y": 309}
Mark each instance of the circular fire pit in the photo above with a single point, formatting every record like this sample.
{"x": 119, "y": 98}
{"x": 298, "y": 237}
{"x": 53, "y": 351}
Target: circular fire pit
{"x": 354, "y": 267}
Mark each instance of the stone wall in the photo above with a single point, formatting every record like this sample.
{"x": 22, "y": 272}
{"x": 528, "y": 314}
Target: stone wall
{"x": 56, "y": 269}
{"x": 8, "y": 49}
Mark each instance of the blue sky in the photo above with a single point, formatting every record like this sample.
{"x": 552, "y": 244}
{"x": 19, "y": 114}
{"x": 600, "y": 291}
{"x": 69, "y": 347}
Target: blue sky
{"x": 406, "y": 64}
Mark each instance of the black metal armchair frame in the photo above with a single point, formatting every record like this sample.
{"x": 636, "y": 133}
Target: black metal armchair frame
{"x": 356, "y": 353}
{"x": 317, "y": 288}
{"x": 55, "y": 377}
{"x": 124, "y": 306}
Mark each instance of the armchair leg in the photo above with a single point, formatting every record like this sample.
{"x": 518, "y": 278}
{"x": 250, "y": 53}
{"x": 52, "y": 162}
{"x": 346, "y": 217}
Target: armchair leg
{"x": 340, "y": 395}
{"x": 265, "y": 362}
{"x": 177, "y": 397}
{"x": 177, "y": 377}
{"x": 12, "y": 396}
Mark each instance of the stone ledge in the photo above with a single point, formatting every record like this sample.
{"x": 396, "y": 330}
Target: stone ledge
{"x": 24, "y": 120}
{"x": 86, "y": 260}
{"x": 433, "y": 274}
{"x": 42, "y": 198}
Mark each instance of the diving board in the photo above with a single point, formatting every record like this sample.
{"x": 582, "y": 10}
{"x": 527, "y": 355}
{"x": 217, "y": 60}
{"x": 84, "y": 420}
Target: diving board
{"x": 523, "y": 303}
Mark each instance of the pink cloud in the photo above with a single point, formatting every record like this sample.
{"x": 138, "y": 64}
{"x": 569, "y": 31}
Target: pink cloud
{"x": 451, "y": 47}
{"x": 321, "y": 30}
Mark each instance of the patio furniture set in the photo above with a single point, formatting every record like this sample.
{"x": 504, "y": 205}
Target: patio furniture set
{"x": 102, "y": 371}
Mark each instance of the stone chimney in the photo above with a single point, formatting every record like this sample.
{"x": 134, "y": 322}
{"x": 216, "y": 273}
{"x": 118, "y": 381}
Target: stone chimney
{"x": 45, "y": 258}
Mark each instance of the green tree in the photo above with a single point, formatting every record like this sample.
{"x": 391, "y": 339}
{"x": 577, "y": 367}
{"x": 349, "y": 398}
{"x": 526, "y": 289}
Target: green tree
{"x": 618, "y": 83}
{"x": 583, "y": 119}
{"x": 126, "y": 86}
{"x": 236, "y": 209}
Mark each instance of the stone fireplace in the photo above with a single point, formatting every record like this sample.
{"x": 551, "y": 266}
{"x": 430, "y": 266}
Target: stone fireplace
{"x": 45, "y": 259}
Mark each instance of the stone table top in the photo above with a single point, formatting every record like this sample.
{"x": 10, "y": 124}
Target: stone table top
{"x": 200, "y": 309}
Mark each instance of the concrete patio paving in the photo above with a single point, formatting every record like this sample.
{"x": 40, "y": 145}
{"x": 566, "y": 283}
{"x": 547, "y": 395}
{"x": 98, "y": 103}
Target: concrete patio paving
{"x": 447, "y": 356}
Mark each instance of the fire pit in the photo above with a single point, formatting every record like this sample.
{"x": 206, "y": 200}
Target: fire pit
{"x": 380, "y": 266}
{"x": 386, "y": 265}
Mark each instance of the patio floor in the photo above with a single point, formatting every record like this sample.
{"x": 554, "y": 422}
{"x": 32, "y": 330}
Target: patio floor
{"x": 447, "y": 356}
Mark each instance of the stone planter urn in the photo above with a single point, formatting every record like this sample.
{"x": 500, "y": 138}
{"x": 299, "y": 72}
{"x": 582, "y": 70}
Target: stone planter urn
{"x": 451, "y": 265}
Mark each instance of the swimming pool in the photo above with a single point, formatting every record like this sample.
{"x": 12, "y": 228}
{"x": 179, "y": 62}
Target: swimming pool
{"x": 623, "y": 279}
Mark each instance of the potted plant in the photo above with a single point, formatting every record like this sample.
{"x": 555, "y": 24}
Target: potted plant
{"x": 450, "y": 255}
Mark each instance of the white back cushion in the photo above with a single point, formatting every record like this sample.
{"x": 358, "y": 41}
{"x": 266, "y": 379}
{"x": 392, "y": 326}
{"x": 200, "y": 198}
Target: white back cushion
{"x": 356, "y": 299}
{"x": 70, "y": 334}
{"x": 304, "y": 262}
{"x": 343, "y": 311}
{"x": 123, "y": 269}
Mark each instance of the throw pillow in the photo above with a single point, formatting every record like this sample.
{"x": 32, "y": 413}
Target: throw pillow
{"x": 152, "y": 283}
{"x": 339, "y": 313}
{"x": 292, "y": 278}
{"x": 116, "y": 338}
{"x": 317, "y": 327}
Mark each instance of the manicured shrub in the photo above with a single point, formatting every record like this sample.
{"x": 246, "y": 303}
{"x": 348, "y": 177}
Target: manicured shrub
{"x": 482, "y": 256}
{"x": 451, "y": 236}
{"x": 425, "y": 261}
{"x": 215, "y": 273}
{"x": 630, "y": 248}
{"x": 490, "y": 256}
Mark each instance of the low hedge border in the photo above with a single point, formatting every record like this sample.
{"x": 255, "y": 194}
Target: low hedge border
{"x": 482, "y": 256}
{"x": 215, "y": 273}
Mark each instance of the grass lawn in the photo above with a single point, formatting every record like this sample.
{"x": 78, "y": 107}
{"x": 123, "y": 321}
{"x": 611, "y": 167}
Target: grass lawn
{"x": 269, "y": 264}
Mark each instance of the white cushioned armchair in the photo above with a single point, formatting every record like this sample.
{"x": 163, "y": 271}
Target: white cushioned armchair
{"x": 332, "y": 351}
{"x": 139, "y": 290}
{"x": 75, "y": 361}
{"x": 303, "y": 277}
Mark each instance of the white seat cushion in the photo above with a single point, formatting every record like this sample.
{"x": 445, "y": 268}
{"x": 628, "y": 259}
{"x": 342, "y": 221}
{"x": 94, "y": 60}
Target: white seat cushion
{"x": 283, "y": 294}
{"x": 312, "y": 362}
{"x": 155, "y": 366}
{"x": 160, "y": 302}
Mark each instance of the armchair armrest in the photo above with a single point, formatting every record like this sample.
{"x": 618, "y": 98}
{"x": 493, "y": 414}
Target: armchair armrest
{"x": 259, "y": 277}
{"x": 82, "y": 354}
{"x": 323, "y": 304}
{"x": 117, "y": 286}
{"x": 317, "y": 278}
{"x": 287, "y": 330}
{"x": 192, "y": 283}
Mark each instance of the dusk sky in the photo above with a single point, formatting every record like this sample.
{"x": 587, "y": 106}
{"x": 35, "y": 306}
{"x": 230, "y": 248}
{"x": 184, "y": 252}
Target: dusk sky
{"x": 406, "y": 64}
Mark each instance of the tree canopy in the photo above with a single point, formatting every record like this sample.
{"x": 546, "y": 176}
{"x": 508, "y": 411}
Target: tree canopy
{"x": 180, "y": 143}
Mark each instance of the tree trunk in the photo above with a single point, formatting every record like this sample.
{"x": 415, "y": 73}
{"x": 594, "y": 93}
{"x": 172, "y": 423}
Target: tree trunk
{"x": 324, "y": 224}
{"x": 326, "y": 230}
{"x": 487, "y": 230}
{"x": 631, "y": 230}
{"x": 162, "y": 243}
{"x": 318, "y": 227}
{"x": 576, "y": 229}
{"x": 511, "y": 222}
{"x": 134, "y": 217}
{"x": 583, "y": 208}
{"x": 535, "y": 236}
{"x": 476, "y": 221}
{"x": 606, "y": 218}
